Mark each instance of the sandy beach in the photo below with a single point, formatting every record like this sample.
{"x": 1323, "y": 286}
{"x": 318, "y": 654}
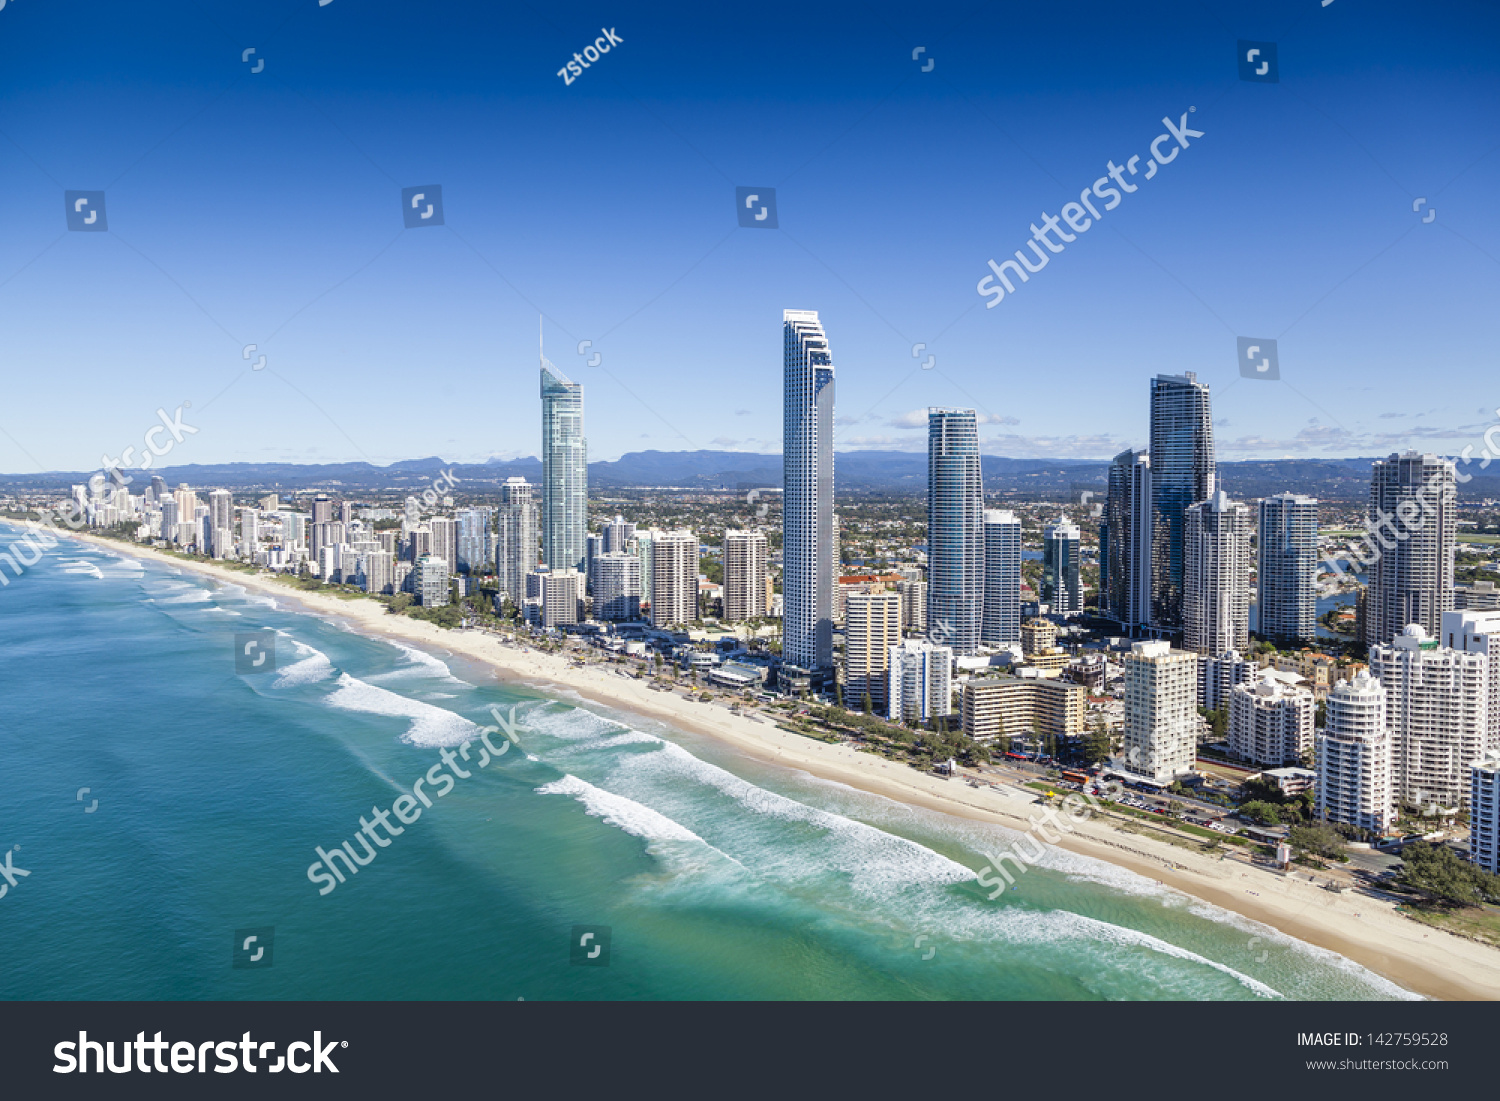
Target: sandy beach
{"x": 1357, "y": 926}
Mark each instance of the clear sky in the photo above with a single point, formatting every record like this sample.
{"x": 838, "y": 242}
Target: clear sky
{"x": 265, "y": 207}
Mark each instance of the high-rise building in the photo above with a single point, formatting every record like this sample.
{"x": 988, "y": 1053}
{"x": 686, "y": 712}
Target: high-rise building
{"x": 872, "y": 628}
{"x": 1062, "y": 587}
{"x": 445, "y": 541}
{"x": 1218, "y": 674}
{"x": 913, "y": 593}
{"x": 1161, "y": 711}
{"x": 554, "y": 595}
{"x": 564, "y": 471}
{"x": 1216, "y": 581}
{"x": 221, "y": 522}
{"x": 617, "y": 586}
{"x": 1271, "y": 723}
{"x": 1412, "y": 521}
{"x": 1481, "y": 596}
{"x": 376, "y": 572}
{"x": 1125, "y": 541}
{"x": 322, "y": 509}
{"x": 1478, "y": 632}
{"x": 1182, "y": 474}
{"x": 187, "y": 516}
{"x": 515, "y": 543}
{"x": 1438, "y": 714}
{"x": 473, "y": 543}
{"x": 1287, "y": 574}
{"x": 1000, "y": 624}
{"x": 1352, "y": 757}
{"x": 807, "y": 508}
{"x": 617, "y": 535}
{"x": 593, "y": 547}
{"x": 921, "y": 681}
{"x": 674, "y": 577}
{"x": 1484, "y": 812}
{"x": 249, "y": 532}
{"x": 955, "y": 530}
{"x": 745, "y": 556}
{"x": 433, "y": 589}
{"x": 169, "y": 519}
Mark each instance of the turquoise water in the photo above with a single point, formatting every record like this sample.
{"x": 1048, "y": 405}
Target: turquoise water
{"x": 717, "y": 876}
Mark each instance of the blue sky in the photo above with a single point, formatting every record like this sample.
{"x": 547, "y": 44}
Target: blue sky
{"x": 264, "y": 208}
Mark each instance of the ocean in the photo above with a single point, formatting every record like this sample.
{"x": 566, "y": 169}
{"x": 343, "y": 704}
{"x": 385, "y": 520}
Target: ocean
{"x": 700, "y": 874}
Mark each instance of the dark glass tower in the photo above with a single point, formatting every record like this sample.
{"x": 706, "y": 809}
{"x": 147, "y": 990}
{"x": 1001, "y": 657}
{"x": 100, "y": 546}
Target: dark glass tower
{"x": 1182, "y": 474}
{"x": 955, "y": 530}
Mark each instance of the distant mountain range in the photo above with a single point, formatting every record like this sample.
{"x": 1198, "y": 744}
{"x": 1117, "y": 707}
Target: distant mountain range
{"x": 863, "y": 471}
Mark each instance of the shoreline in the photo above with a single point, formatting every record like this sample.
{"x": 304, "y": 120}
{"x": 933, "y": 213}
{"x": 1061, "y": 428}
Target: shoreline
{"x": 1361, "y": 928}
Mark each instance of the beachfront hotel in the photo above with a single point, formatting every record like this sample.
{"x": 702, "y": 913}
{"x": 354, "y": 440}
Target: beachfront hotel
{"x": 807, "y": 506}
{"x": 1161, "y": 712}
{"x": 746, "y": 595}
{"x": 565, "y": 471}
{"x": 1271, "y": 723}
{"x": 997, "y": 707}
{"x": 872, "y": 626}
{"x": 1182, "y": 474}
{"x": 955, "y": 530}
{"x": 515, "y": 538}
{"x": 1352, "y": 757}
{"x": 921, "y": 684}
{"x": 1413, "y": 520}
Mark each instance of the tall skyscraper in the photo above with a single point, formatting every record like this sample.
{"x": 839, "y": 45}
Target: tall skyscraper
{"x": 249, "y": 532}
{"x": 473, "y": 542}
{"x": 807, "y": 509}
{"x": 1161, "y": 711}
{"x": 745, "y": 556}
{"x": 1216, "y": 582}
{"x": 674, "y": 577}
{"x": 1287, "y": 574}
{"x": 955, "y": 530}
{"x": 1125, "y": 541}
{"x": 1001, "y": 623}
{"x": 1412, "y": 521}
{"x": 564, "y": 471}
{"x": 221, "y": 522}
{"x": 1062, "y": 586}
{"x": 1353, "y": 757}
{"x": 445, "y": 541}
{"x": 872, "y": 628}
{"x": 1182, "y": 474}
{"x": 515, "y": 543}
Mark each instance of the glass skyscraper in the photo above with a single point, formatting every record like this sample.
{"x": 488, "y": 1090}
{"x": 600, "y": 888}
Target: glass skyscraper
{"x": 1062, "y": 587}
{"x": 807, "y": 518}
{"x": 1286, "y": 581}
{"x": 955, "y": 530}
{"x": 1125, "y": 541}
{"x": 1001, "y": 625}
{"x": 1182, "y": 474}
{"x": 564, "y": 472}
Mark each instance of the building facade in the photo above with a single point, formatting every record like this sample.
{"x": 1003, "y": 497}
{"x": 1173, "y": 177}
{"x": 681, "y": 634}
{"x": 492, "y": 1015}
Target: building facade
{"x": 1270, "y": 723}
{"x": 1286, "y": 603}
{"x": 1125, "y": 541}
{"x": 1062, "y": 584}
{"x": 1352, "y": 757}
{"x": 564, "y": 471}
{"x": 1001, "y": 622}
{"x": 1161, "y": 712}
{"x": 808, "y": 556}
{"x": 955, "y": 530}
{"x": 745, "y": 555}
{"x": 872, "y": 627}
{"x": 1412, "y": 520}
{"x": 1182, "y": 474}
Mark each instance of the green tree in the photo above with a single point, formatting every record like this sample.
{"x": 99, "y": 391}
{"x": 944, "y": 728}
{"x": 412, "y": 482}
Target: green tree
{"x": 1437, "y": 871}
{"x": 1267, "y": 814}
{"x": 1316, "y": 840}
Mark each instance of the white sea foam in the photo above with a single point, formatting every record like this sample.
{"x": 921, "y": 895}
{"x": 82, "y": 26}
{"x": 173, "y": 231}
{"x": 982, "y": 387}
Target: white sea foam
{"x": 87, "y": 568}
{"x": 419, "y": 663}
{"x": 311, "y": 666}
{"x": 195, "y": 596}
{"x": 622, "y": 813}
{"x": 430, "y": 726}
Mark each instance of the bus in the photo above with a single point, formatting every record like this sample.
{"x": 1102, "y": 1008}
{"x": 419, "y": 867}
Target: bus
{"x": 1074, "y": 776}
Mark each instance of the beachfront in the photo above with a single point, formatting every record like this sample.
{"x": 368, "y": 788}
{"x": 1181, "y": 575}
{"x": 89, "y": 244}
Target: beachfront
{"x": 1360, "y": 927}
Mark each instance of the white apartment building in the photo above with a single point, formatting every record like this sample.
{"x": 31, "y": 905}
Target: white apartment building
{"x": 745, "y": 593}
{"x": 1270, "y": 723}
{"x": 1216, "y": 576}
{"x": 1438, "y": 713}
{"x": 1161, "y": 711}
{"x": 921, "y": 681}
{"x": 674, "y": 576}
{"x": 1352, "y": 757}
{"x": 872, "y": 626}
{"x": 432, "y": 586}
